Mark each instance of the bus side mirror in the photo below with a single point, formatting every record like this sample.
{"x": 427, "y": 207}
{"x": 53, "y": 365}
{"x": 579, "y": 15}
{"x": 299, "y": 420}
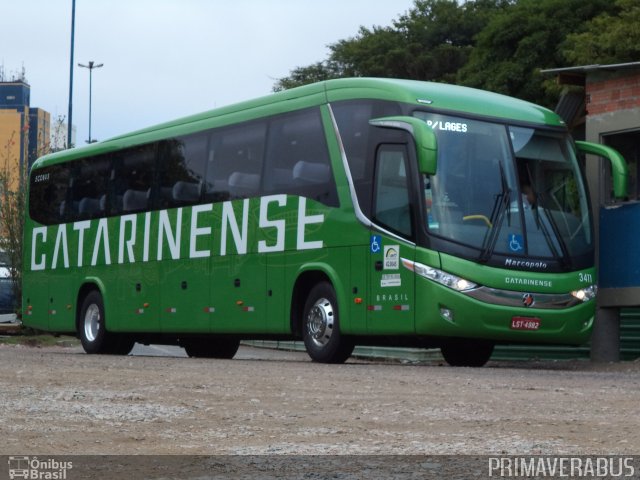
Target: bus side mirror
{"x": 426, "y": 143}
{"x": 619, "y": 169}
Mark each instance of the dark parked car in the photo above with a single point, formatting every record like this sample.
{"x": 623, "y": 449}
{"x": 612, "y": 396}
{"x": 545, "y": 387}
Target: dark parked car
{"x": 8, "y": 302}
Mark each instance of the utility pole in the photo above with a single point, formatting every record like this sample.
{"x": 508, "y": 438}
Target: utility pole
{"x": 70, "y": 115}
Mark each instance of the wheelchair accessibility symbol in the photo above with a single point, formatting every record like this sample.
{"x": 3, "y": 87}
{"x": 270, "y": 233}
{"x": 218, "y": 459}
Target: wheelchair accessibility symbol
{"x": 516, "y": 242}
{"x": 376, "y": 243}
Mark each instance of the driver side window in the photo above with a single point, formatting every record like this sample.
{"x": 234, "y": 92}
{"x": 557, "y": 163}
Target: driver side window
{"x": 391, "y": 195}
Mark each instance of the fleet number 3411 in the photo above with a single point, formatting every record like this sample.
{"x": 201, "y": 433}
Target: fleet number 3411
{"x": 585, "y": 277}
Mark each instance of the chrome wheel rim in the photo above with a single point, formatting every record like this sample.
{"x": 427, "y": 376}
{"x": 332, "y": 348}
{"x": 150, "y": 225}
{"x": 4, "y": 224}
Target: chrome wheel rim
{"x": 92, "y": 322}
{"x": 320, "y": 322}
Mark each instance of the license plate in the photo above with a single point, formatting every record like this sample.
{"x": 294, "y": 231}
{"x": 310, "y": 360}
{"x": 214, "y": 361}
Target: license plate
{"x": 525, "y": 323}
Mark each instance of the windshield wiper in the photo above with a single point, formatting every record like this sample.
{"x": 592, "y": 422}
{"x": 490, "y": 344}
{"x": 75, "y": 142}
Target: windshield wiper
{"x": 564, "y": 259}
{"x": 501, "y": 208}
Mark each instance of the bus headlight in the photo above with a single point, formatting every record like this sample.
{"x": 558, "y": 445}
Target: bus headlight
{"x": 447, "y": 279}
{"x": 586, "y": 294}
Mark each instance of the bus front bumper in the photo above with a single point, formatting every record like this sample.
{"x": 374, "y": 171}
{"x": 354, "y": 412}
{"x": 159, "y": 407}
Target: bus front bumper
{"x": 517, "y": 317}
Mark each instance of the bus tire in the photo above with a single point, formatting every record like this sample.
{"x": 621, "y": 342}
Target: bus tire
{"x": 467, "y": 352}
{"x": 91, "y": 325}
{"x": 92, "y": 331}
{"x": 321, "y": 327}
{"x": 222, "y": 348}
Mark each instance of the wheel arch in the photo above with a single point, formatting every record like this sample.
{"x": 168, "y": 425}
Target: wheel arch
{"x": 89, "y": 285}
{"x": 308, "y": 276}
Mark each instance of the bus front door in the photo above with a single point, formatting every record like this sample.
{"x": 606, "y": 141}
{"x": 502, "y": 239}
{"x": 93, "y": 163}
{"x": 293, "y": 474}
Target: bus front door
{"x": 392, "y": 286}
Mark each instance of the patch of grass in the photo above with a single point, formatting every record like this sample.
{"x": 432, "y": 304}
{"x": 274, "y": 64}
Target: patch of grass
{"x": 39, "y": 340}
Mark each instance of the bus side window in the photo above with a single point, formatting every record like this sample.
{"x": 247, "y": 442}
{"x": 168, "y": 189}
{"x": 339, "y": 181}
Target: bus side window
{"x": 182, "y": 164}
{"x": 236, "y": 155}
{"x": 297, "y": 160}
{"x": 89, "y": 188}
{"x": 216, "y": 188}
{"x": 391, "y": 195}
{"x": 49, "y": 203}
{"x": 360, "y": 140}
{"x": 134, "y": 169}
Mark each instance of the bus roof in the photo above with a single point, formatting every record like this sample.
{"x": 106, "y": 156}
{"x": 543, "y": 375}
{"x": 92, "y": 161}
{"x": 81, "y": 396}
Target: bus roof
{"x": 428, "y": 95}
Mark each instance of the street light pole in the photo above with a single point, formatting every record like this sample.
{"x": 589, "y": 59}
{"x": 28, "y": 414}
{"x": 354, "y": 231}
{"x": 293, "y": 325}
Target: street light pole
{"x": 90, "y": 66}
{"x": 70, "y": 119}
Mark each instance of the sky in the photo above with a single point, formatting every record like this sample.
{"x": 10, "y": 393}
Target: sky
{"x": 164, "y": 59}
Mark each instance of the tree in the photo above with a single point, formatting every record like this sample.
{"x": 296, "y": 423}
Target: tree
{"x": 304, "y": 75}
{"x": 522, "y": 39}
{"x": 13, "y": 181}
{"x": 431, "y": 42}
{"x": 372, "y": 53}
{"x": 439, "y": 35}
{"x": 612, "y": 37}
{"x": 497, "y": 45}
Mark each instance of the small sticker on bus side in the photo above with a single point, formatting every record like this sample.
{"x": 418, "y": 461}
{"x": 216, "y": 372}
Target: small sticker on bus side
{"x": 448, "y": 126}
{"x": 376, "y": 243}
{"x": 43, "y": 177}
{"x": 391, "y": 257}
{"x": 516, "y": 242}
{"x": 391, "y": 280}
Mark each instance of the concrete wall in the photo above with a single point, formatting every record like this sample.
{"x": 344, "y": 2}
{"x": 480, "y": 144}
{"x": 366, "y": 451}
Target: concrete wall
{"x": 613, "y": 107}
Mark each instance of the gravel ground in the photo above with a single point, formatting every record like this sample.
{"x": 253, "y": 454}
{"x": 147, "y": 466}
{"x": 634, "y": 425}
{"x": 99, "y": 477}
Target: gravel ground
{"x": 273, "y": 414}
{"x": 61, "y": 401}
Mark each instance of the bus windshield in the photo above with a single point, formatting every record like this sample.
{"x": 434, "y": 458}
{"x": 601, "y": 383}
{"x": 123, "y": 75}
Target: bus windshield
{"x": 506, "y": 190}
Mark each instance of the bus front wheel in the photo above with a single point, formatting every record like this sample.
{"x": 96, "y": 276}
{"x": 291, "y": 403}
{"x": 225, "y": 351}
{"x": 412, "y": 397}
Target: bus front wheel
{"x": 321, "y": 327}
{"x": 92, "y": 331}
{"x": 463, "y": 352}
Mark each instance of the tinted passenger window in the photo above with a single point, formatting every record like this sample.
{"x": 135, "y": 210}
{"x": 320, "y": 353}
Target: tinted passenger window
{"x": 89, "y": 188}
{"x": 132, "y": 176}
{"x": 212, "y": 166}
{"x": 182, "y": 164}
{"x": 48, "y": 194}
{"x": 235, "y": 162}
{"x": 297, "y": 160}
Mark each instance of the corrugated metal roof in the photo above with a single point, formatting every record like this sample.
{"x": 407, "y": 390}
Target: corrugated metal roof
{"x": 571, "y": 107}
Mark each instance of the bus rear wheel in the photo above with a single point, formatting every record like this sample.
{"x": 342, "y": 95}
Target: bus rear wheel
{"x": 466, "y": 352}
{"x": 223, "y": 348}
{"x": 321, "y": 327}
{"x": 92, "y": 331}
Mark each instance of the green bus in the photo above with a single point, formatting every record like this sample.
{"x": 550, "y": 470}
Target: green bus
{"x": 348, "y": 212}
